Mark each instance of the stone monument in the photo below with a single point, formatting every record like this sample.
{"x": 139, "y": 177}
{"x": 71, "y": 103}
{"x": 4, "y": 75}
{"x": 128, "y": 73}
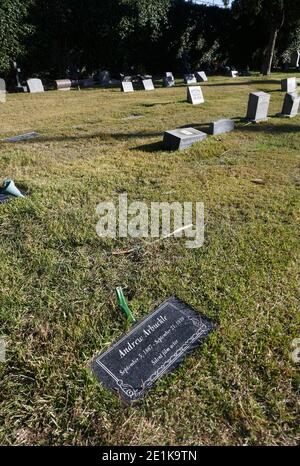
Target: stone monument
{"x": 194, "y": 95}
{"x": 289, "y": 85}
{"x": 168, "y": 79}
{"x": 201, "y": 76}
{"x": 148, "y": 84}
{"x": 179, "y": 139}
{"x": 35, "y": 85}
{"x": 2, "y": 90}
{"x": 190, "y": 79}
{"x": 258, "y": 106}
{"x": 126, "y": 86}
{"x": 290, "y": 105}
{"x": 221, "y": 126}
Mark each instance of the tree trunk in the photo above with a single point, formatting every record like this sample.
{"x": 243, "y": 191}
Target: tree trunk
{"x": 268, "y": 59}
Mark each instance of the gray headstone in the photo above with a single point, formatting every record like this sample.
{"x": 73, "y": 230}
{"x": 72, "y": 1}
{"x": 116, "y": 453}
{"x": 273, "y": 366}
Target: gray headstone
{"x": 179, "y": 139}
{"x": 221, "y": 126}
{"x": 194, "y": 95}
{"x": 290, "y": 105}
{"x": 190, "y": 79}
{"x": 148, "y": 84}
{"x": 289, "y": 85}
{"x": 35, "y": 85}
{"x": 127, "y": 86}
{"x": 258, "y": 106}
{"x": 201, "y": 76}
{"x": 63, "y": 84}
{"x": 2, "y": 90}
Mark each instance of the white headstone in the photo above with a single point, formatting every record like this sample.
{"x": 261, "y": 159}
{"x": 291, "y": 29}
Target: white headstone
{"x": 148, "y": 84}
{"x": 127, "y": 86}
{"x": 201, "y": 76}
{"x": 289, "y": 85}
{"x": 63, "y": 84}
{"x": 194, "y": 95}
{"x": 2, "y": 90}
{"x": 35, "y": 85}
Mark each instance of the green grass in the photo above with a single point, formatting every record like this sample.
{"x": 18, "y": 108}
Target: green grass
{"x": 57, "y": 278}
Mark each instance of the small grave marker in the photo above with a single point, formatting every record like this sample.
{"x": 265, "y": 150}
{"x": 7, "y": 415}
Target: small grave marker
{"x": 22, "y": 137}
{"x": 35, "y": 85}
{"x": 168, "y": 79}
{"x": 289, "y": 85}
{"x": 154, "y": 347}
{"x": 290, "y": 105}
{"x": 194, "y": 95}
{"x": 126, "y": 86}
{"x": 258, "y": 106}
{"x": 179, "y": 139}
{"x": 148, "y": 84}
{"x": 221, "y": 126}
{"x": 63, "y": 84}
{"x": 201, "y": 76}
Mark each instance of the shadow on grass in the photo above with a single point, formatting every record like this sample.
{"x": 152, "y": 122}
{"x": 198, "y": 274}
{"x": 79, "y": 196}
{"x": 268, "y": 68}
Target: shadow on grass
{"x": 153, "y": 147}
{"x": 103, "y": 136}
{"x": 241, "y": 83}
{"x": 262, "y": 127}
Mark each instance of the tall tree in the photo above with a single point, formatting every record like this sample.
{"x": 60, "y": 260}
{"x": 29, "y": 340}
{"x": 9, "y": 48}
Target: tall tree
{"x": 13, "y": 29}
{"x": 274, "y": 14}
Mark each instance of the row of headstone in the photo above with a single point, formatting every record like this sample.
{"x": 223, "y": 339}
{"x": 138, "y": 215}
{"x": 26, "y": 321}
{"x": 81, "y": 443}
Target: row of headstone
{"x": 182, "y": 138}
{"x": 258, "y": 106}
{"x": 127, "y": 86}
{"x": 194, "y": 78}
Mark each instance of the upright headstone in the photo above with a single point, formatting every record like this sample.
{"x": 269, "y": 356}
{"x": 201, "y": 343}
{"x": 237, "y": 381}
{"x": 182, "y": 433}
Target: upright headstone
{"x": 201, "y": 76}
{"x": 35, "y": 85}
{"x": 179, "y": 139}
{"x": 168, "y": 79}
{"x": 289, "y": 85}
{"x": 194, "y": 95}
{"x": 63, "y": 84}
{"x": 190, "y": 79}
{"x": 148, "y": 84}
{"x": 126, "y": 86}
{"x": 221, "y": 126}
{"x": 258, "y": 106}
{"x": 2, "y": 90}
{"x": 290, "y": 105}
{"x": 234, "y": 73}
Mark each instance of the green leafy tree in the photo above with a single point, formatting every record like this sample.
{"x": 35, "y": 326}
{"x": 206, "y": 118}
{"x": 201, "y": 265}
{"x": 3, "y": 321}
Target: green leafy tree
{"x": 13, "y": 29}
{"x": 274, "y": 14}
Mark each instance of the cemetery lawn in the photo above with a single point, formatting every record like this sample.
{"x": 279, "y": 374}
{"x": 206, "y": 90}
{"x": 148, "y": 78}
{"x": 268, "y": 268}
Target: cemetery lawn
{"x": 57, "y": 277}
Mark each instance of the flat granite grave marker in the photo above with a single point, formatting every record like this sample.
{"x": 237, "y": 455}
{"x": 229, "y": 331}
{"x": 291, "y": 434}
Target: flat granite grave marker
{"x": 201, "y": 76}
{"x": 148, "y": 84}
{"x": 179, "y": 139}
{"x": 289, "y": 85}
{"x": 290, "y": 105}
{"x": 154, "y": 347}
{"x": 35, "y": 85}
{"x": 258, "y": 106}
{"x": 127, "y": 86}
{"x": 2, "y": 90}
{"x": 221, "y": 126}
{"x": 194, "y": 95}
{"x": 190, "y": 79}
{"x": 22, "y": 137}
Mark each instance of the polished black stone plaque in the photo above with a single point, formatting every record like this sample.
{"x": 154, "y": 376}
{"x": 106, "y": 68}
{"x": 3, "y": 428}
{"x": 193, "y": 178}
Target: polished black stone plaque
{"x": 154, "y": 346}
